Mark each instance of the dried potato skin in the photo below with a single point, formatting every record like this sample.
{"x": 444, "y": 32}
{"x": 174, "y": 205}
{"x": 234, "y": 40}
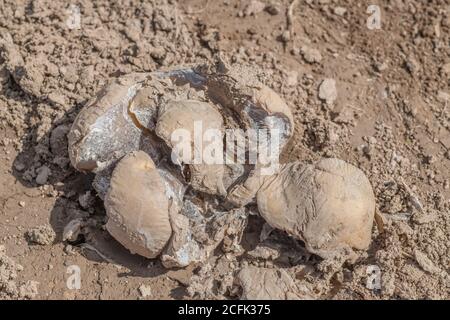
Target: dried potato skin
{"x": 237, "y": 88}
{"x": 137, "y": 206}
{"x": 329, "y": 205}
{"x": 182, "y": 115}
{"x": 102, "y": 131}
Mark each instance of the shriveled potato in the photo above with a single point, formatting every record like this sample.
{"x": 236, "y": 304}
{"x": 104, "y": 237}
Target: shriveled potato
{"x": 268, "y": 284}
{"x": 137, "y": 205}
{"x": 258, "y": 107}
{"x": 183, "y": 115}
{"x": 329, "y": 205}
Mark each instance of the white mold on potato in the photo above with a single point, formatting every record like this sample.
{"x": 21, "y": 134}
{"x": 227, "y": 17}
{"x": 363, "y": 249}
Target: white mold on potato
{"x": 125, "y": 134}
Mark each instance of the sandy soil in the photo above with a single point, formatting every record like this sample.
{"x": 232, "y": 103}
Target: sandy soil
{"x": 391, "y": 118}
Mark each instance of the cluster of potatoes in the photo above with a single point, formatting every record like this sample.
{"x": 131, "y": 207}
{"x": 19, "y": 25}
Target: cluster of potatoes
{"x": 123, "y": 135}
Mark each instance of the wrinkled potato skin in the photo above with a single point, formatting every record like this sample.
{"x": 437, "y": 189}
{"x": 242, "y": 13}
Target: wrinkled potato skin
{"x": 182, "y": 115}
{"x": 329, "y": 205}
{"x": 272, "y": 103}
{"x": 85, "y": 156}
{"x": 138, "y": 207}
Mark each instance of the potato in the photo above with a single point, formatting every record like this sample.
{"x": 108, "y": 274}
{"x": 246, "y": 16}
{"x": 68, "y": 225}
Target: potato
{"x": 103, "y": 132}
{"x": 329, "y": 205}
{"x": 257, "y": 106}
{"x": 268, "y": 284}
{"x": 176, "y": 115}
{"x": 137, "y": 206}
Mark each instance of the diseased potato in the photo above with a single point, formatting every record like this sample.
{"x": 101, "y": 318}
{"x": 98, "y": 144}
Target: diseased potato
{"x": 185, "y": 115}
{"x": 329, "y": 205}
{"x": 137, "y": 205}
{"x": 103, "y": 132}
{"x": 257, "y": 106}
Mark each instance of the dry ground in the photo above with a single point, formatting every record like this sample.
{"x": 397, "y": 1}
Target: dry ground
{"x": 391, "y": 118}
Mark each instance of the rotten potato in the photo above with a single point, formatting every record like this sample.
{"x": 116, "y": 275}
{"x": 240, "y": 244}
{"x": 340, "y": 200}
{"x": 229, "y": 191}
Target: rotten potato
{"x": 329, "y": 205}
{"x": 162, "y": 204}
{"x": 138, "y": 206}
{"x": 183, "y": 116}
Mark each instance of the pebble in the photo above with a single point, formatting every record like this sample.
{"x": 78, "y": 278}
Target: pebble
{"x": 291, "y": 78}
{"x": 272, "y": 9}
{"x": 86, "y": 200}
{"x": 327, "y": 90}
{"x": 443, "y": 96}
{"x": 339, "y": 11}
{"x": 310, "y": 55}
{"x": 254, "y": 7}
{"x": 19, "y": 166}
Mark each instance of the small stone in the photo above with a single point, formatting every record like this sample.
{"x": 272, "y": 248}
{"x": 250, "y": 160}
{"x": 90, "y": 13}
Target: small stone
{"x": 69, "y": 249}
{"x": 19, "y": 166}
{"x": 22, "y": 204}
{"x": 291, "y": 78}
{"x": 445, "y": 69}
{"x": 272, "y": 9}
{"x": 72, "y": 230}
{"x": 57, "y": 98}
{"x": 412, "y": 65}
{"x": 310, "y": 55}
{"x": 380, "y": 66}
{"x": 339, "y": 11}
{"x": 86, "y": 200}
{"x": 443, "y": 96}
{"x": 286, "y": 36}
{"x": 254, "y": 7}
{"x": 327, "y": 90}
{"x": 58, "y": 140}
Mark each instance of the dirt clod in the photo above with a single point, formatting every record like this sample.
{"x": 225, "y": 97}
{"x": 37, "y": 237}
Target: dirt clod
{"x": 42, "y": 235}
